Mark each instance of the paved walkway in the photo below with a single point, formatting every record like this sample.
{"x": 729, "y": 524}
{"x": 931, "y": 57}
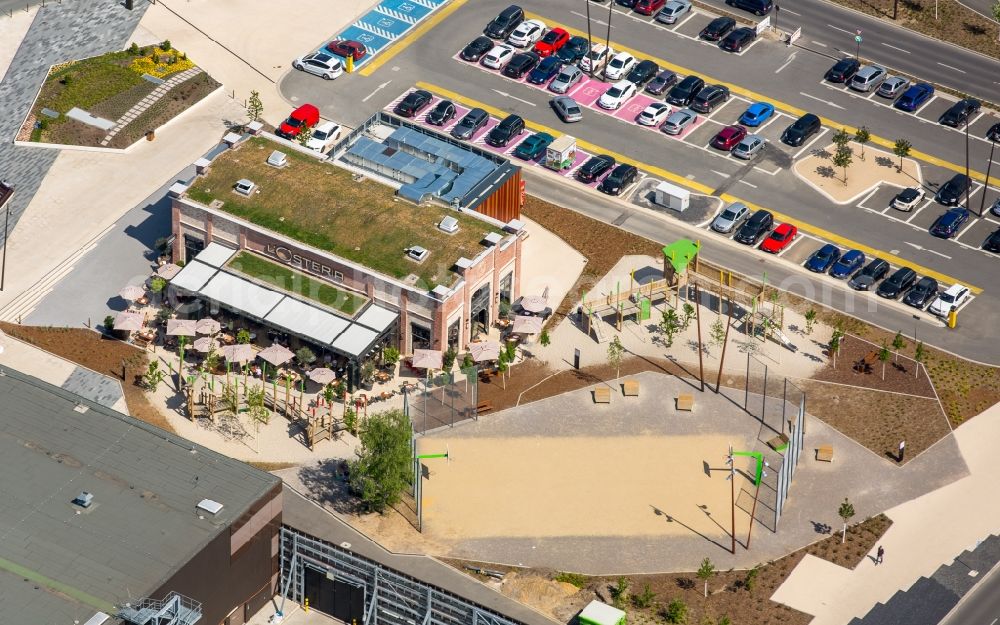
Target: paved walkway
{"x": 140, "y": 107}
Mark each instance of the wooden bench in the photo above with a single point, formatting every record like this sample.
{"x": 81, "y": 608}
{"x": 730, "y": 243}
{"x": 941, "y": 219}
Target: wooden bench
{"x": 630, "y": 388}
{"x": 865, "y": 364}
{"x": 484, "y": 406}
{"x": 602, "y": 395}
{"x": 779, "y": 442}
{"x": 824, "y": 453}
{"x": 685, "y": 401}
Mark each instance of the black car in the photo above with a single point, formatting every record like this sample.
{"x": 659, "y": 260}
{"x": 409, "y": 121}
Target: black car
{"x": 643, "y": 73}
{"x": 685, "y": 91}
{"x": 874, "y": 271}
{"x": 709, "y": 98}
{"x": 508, "y": 128}
{"x": 625, "y": 3}
{"x": 960, "y": 112}
{"x": 801, "y": 129}
{"x": 718, "y": 28}
{"x": 573, "y": 50}
{"x": 993, "y": 134}
{"x": 619, "y": 179}
{"x": 992, "y": 242}
{"x": 951, "y": 192}
{"x": 738, "y": 39}
{"x": 893, "y": 286}
{"x": 757, "y": 7}
{"x": 413, "y": 103}
{"x": 476, "y": 49}
{"x": 755, "y": 228}
{"x": 663, "y": 81}
{"x": 504, "y": 24}
{"x": 441, "y": 114}
{"x": 843, "y": 70}
{"x": 947, "y": 225}
{"x": 520, "y": 64}
{"x": 595, "y": 167}
{"x": 922, "y": 292}
{"x": 470, "y": 123}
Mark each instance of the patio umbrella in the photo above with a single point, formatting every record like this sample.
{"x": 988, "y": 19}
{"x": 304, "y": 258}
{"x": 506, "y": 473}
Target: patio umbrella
{"x": 205, "y": 344}
{"x": 128, "y": 321}
{"x": 180, "y": 327}
{"x": 168, "y": 271}
{"x": 322, "y": 375}
{"x": 533, "y": 303}
{"x": 276, "y": 354}
{"x": 132, "y": 292}
{"x": 207, "y": 326}
{"x": 482, "y": 352}
{"x": 427, "y": 359}
{"x": 241, "y": 352}
{"x": 527, "y": 325}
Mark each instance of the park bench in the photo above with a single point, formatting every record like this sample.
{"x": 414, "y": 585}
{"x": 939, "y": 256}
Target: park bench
{"x": 602, "y": 395}
{"x": 865, "y": 364}
{"x": 779, "y": 442}
{"x": 630, "y": 388}
{"x": 824, "y": 453}
{"x": 685, "y": 401}
{"x": 484, "y": 406}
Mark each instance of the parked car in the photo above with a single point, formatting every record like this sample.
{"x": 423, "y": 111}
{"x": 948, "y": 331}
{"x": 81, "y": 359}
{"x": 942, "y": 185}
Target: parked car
{"x": 550, "y": 43}
{"x": 348, "y": 48}
{"x": 648, "y": 7}
{"x": 323, "y": 137}
{"x": 566, "y": 108}
{"x": 947, "y": 225}
{"x": 892, "y": 86}
{"x": 643, "y": 72}
{"x": 727, "y": 138}
{"x": 780, "y": 239}
{"x": 823, "y": 258}
{"x": 732, "y": 216}
{"x": 527, "y": 33}
{"x": 756, "y": 114}
{"x": 953, "y": 297}
{"x": 801, "y": 129}
{"x": 470, "y": 123}
{"x": 321, "y": 64}
{"x": 413, "y": 103}
{"x": 476, "y": 49}
{"x": 868, "y": 77}
{"x": 595, "y": 167}
{"x": 574, "y": 50}
{"x": 442, "y": 113}
{"x": 685, "y": 91}
{"x": 914, "y": 97}
{"x": 497, "y": 57}
{"x": 545, "y": 71}
{"x": 922, "y": 292}
{"x": 748, "y": 146}
{"x": 533, "y": 148}
{"x": 757, "y": 7}
{"x": 306, "y": 116}
{"x": 520, "y": 64}
{"x": 568, "y": 76}
{"x": 620, "y": 65}
{"x": 717, "y": 28}
{"x": 508, "y": 128}
{"x": 894, "y": 286}
{"x": 504, "y": 24}
{"x": 843, "y": 70}
{"x": 995, "y": 208}
{"x": 595, "y": 60}
{"x": 738, "y": 39}
{"x": 754, "y": 228}
{"x": 617, "y": 95}
{"x": 673, "y": 11}
{"x": 992, "y": 242}
{"x": 654, "y": 114}
{"x": 710, "y": 97}
{"x": 960, "y": 112}
{"x": 951, "y": 192}
{"x": 875, "y": 270}
{"x": 907, "y": 199}
{"x": 663, "y": 81}
{"x": 848, "y": 264}
{"x": 620, "y": 178}
{"x": 993, "y": 134}
{"x": 678, "y": 121}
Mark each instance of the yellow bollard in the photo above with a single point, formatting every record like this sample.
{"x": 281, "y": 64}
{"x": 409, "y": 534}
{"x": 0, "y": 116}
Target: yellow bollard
{"x": 305, "y": 606}
{"x": 349, "y": 65}
{"x": 952, "y": 318}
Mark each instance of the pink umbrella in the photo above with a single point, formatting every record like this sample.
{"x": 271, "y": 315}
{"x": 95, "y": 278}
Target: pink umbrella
{"x": 533, "y": 303}
{"x": 205, "y": 344}
{"x": 485, "y": 351}
{"x": 241, "y": 352}
{"x": 276, "y": 354}
{"x": 132, "y": 292}
{"x": 322, "y": 375}
{"x": 427, "y": 359}
{"x": 128, "y": 321}
{"x": 208, "y": 326}
{"x": 180, "y": 327}
{"x": 527, "y": 325}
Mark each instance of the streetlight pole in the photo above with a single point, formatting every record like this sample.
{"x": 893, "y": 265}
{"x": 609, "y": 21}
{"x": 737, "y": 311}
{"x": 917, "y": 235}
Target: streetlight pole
{"x": 607, "y": 41}
{"x": 989, "y": 165}
{"x": 968, "y": 180}
{"x": 732, "y": 496}
{"x": 6, "y": 191}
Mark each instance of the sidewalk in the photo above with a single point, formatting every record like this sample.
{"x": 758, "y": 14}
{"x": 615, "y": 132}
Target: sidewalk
{"x": 927, "y": 532}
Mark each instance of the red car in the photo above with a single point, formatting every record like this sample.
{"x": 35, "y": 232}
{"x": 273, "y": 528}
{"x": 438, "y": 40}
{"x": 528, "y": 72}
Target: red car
{"x": 728, "y": 137}
{"x": 306, "y": 116}
{"x": 780, "y": 238}
{"x": 648, "y": 7}
{"x": 346, "y": 48}
{"x": 551, "y": 42}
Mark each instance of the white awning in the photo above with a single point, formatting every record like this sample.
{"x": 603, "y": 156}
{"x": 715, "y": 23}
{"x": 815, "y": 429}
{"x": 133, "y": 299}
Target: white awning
{"x": 355, "y": 340}
{"x": 216, "y": 255}
{"x": 377, "y": 318}
{"x": 301, "y": 318}
{"x": 241, "y": 294}
{"x": 193, "y": 276}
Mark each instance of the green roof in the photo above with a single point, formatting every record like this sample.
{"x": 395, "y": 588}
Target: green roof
{"x": 680, "y": 253}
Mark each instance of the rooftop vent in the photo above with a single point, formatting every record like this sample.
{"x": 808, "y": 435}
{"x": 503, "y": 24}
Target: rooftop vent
{"x": 417, "y": 253}
{"x": 209, "y": 506}
{"x": 449, "y": 224}
{"x": 81, "y": 408}
{"x": 277, "y": 159}
{"x": 244, "y": 186}
{"x": 84, "y": 499}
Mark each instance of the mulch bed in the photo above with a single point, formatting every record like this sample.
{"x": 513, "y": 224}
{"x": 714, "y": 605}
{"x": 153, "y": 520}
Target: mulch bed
{"x": 900, "y": 372}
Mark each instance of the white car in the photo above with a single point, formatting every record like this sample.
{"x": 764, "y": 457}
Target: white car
{"x": 619, "y": 93}
{"x": 323, "y": 137}
{"x": 527, "y": 33}
{"x": 907, "y": 199}
{"x": 619, "y": 66}
{"x": 321, "y": 64}
{"x": 498, "y": 57}
{"x": 654, "y": 114}
{"x": 597, "y": 58}
{"x": 950, "y": 300}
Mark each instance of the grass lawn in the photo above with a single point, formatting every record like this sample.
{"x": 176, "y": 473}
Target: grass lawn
{"x": 296, "y": 282}
{"x": 321, "y": 205}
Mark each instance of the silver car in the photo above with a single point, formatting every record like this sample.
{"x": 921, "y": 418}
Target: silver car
{"x": 868, "y": 77}
{"x": 566, "y": 108}
{"x": 673, "y": 11}
{"x": 728, "y": 219}
{"x": 748, "y": 146}
{"x": 568, "y": 76}
{"x": 678, "y": 121}
{"x": 893, "y": 86}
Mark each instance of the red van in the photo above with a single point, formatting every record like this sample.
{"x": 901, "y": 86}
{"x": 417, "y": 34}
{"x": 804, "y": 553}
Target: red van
{"x": 306, "y": 116}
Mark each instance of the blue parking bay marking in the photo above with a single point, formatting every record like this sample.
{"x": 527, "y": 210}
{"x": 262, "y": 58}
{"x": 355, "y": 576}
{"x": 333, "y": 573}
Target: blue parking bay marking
{"x": 373, "y": 42}
{"x": 382, "y": 25}
{"x": 406, "y": 10}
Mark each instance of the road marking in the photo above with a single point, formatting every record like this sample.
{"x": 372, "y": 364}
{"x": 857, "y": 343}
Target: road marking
{"x": 792, "y": 12}
{"x": 715, "y": 171}
{"x": 960, "y": 71}
{"x": 593, "y": 19}
{"x": 819, "y": 43}
{"x": 926, "y": 249}
{"x": 377, "y": 89}
{"x": 895, "y": 48}
{"x": 507, "y": 95}
{"x": 747, "y": 183}
{"x": 841, "y": 29}
{"x": 415, "y": 34}
{"x": 791, "y": 57}
{"x": 821, "y": 100}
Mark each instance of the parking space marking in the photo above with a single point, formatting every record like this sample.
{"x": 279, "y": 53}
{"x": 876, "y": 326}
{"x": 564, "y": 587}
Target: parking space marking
{"x": 769, "y": 173}
{"x": 394, "y": 48}
{"x": 918, "y": 210}
{"x": 819, "y": 99}
{"x": 861, "y": 204}
{"x": 682, "y": 22}
{"x": 808, "y": 145}
{"x": 972, "y": 222}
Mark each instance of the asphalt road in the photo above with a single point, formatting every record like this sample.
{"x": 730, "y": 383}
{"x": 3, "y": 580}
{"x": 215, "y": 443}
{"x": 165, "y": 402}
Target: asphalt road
{"x": 981, "y": 606}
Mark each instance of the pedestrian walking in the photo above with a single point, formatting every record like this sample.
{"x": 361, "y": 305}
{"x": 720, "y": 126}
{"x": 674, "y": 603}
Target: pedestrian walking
{"x": 878, "y": 555}
{"x": 902, "y": 448}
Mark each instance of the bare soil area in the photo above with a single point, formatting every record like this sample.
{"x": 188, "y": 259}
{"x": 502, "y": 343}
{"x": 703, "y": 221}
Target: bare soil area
{"x": 841, "y": 186}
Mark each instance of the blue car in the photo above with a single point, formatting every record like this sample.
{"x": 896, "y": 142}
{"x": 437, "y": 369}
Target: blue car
{"x": 823, "y": 258}
{"x": 757, "y": 114}
{"x": 848, "y": 264}
{"x": 948, "y": 224}
{"x": 914, "y": 97}
{"x": 545, "y": 71}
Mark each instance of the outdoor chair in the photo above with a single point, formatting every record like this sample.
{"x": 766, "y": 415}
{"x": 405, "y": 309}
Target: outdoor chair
{"x": 685, "y": 401}
{"x": 630, "y": 388}
{"x": 824, "y": 453}
{"x": 602, "y": 395}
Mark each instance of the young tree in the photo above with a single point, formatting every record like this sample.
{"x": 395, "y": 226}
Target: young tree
{"x": 305, "y": 135}
{"x": 751, "y": 579}
{"x": 846, "y": 511}
{"x": 153, "y": 375}
{"x": 448, "y": 359}
{"x": 467, "y": 361}
{"x": 157, "y": 284}
{"x": 902, "y": 150}
{"x": 841, "y": 138}
{"x": 644, "y": 599}
{"x": 898, "y": 343}
{"x": 862, "y": 136}
{"x": 883, "y": 356}
{"x": 384, "y": 463}
{"x": 834, "y": 346}
{"x": 689, "y": 314}
{"x": 256, "y": 409}
{"x": 619, "y": 593}
{"x": 670, "y": 325}
{"x": 351, "y": 420}
{"x": 503, "y": 364}
{"x": 243, "y": 336}
{"x": 810, "y": 320}
{"x": 717, "y": 332}
{"x": 676, "y": 612}
{"x": 705, "y": 572}
{"x": 544, "y": 338}
{"x": 254, "y": 106}
{"x": 725, "y": 620}
{"x": 843, "y": 158}
{"x": 920, "y": 355}
{"x": 616, "y": 351}
{"x": 390, "y": 356}
{"x": 109, "y": 324}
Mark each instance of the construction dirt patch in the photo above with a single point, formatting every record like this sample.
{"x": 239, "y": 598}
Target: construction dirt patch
{"x": 876, "y": 167}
